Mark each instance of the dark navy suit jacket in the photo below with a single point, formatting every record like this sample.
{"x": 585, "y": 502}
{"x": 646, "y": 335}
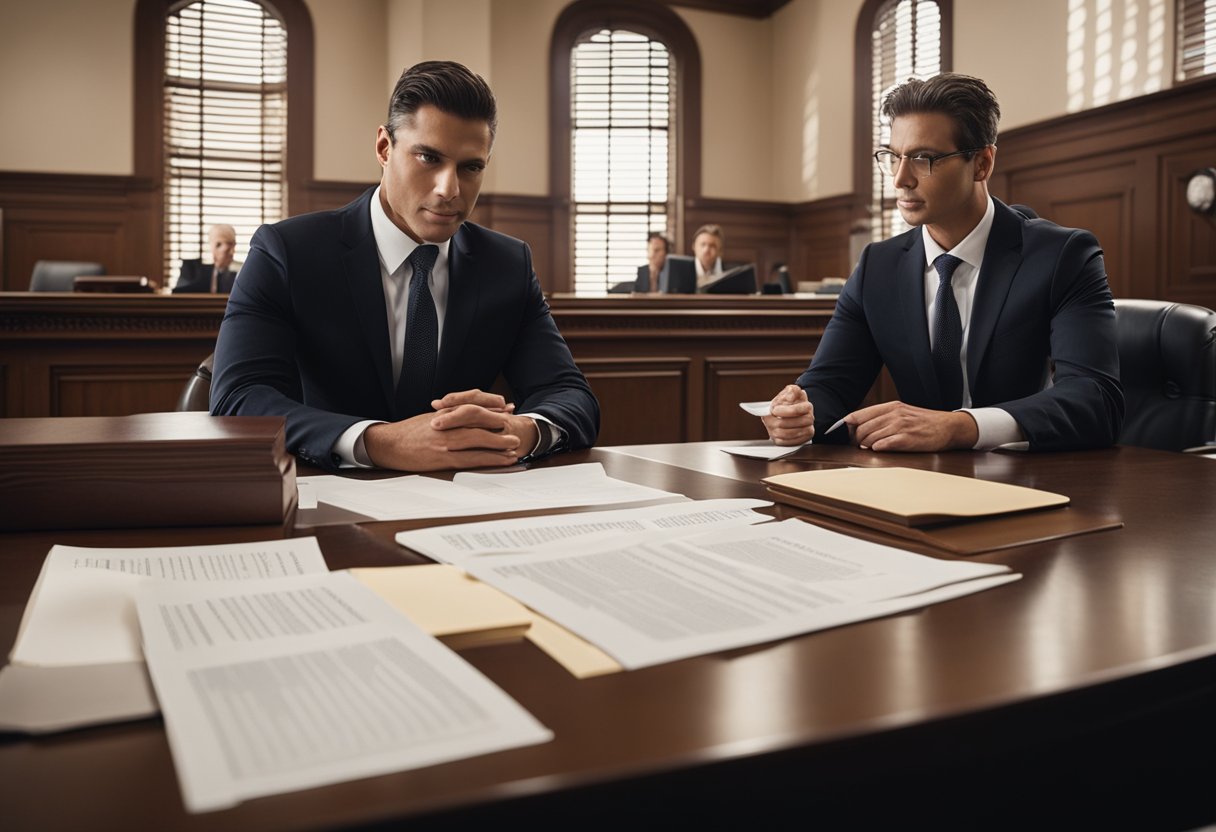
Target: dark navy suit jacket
{"x": 305, "y": 333}
{"x": 196, "y": 277}
{"x": 1042, "y": 294}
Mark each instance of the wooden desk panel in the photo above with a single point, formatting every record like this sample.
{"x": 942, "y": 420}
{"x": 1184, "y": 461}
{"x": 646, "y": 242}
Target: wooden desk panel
{"x": 665, "y": 368}
{"x": 1087, "y": 687}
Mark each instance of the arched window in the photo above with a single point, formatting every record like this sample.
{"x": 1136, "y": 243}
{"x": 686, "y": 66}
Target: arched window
{"x": 216, "y": 83}
{"x": 896, "y": 40}
{"x": 1196, "y": 38}
{"x": 626, "y": 137}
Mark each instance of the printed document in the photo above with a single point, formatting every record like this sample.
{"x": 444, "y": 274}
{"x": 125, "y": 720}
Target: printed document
{"x": 82, "y": 608}
{"x": 652, "y": 598}
{"x": 456, "y": 543}
{"x": 285, "y": 685}
{"x": 416, "y": 496}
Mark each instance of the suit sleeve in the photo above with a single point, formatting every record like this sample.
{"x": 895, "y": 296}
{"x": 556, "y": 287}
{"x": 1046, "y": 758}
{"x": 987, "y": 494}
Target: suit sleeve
{"x": 255, "y": 356}
{"x": 542, "y": 373}
{"x": 846, "y": 362}
{"x": 1083, "y": 408}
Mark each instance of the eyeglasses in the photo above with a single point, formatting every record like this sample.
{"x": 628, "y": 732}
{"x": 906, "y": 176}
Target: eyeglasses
{"x": 922, "y": 163}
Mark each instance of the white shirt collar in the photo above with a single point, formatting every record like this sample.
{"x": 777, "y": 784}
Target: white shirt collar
{"x": 971, "y": 249}
{"x": 394, "y": 245}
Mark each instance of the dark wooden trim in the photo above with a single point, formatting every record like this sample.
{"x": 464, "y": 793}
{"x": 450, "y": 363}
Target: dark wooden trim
{"x": 758, "y": 9}
{"x": 863, "y": 78}
{"x": 655, "y": 21}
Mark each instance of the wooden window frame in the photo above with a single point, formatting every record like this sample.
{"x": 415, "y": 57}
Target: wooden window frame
{"x": 659, "y": 23}
{"x": 863, "y": 83}
{"x": 150, "y": 16}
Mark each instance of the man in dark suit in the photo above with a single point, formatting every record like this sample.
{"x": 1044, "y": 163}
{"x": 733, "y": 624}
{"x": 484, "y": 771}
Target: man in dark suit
{"x": 377, "y": 328}
{"x": 217, "y": 276}
{"x": 996, "y": 328}
{"x": 657, "y": 249}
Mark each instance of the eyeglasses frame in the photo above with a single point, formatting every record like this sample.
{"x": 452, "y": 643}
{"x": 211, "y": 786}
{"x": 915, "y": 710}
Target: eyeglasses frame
{"x": 886, "y": 170}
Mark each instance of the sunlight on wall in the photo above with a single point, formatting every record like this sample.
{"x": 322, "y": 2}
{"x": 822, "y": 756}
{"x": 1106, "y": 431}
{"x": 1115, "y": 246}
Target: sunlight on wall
{"x": 810, "y": 135}
{"x": 1116, "y": 50}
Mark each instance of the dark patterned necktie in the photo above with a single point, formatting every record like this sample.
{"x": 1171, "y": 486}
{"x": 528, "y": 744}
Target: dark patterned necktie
{"x": 947, "y": 334}
{"x": 415, "y": 390}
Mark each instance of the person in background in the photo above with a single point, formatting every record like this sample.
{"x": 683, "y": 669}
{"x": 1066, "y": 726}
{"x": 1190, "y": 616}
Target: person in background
{"x": 216, "y": 276}
{"x": 997, "y": 329}
{"x": 657, "y": 249}
{"x": 707, "y": 246}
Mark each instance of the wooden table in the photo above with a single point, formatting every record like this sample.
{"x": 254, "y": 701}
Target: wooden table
{"x": 1082, "y": 694}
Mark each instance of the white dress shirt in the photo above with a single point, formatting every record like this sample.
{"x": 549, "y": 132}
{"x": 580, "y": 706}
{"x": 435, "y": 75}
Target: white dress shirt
{"x": 996, "y": 426}
{"x": 703, "y": 276}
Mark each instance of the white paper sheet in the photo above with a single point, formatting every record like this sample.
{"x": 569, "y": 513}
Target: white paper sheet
{"x": 757, "y": 408}
{"x": 650, "y": 600}
{"x": 298, "y": 683}
{"x": 456, "y": 543}
{"x": 766, "y": 451}
{"x": 412, "y": 497}
{"x": 82, "y": 610}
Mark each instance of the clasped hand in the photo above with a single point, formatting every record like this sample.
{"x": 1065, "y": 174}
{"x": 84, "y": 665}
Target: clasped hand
{"x": 470, "y": 429}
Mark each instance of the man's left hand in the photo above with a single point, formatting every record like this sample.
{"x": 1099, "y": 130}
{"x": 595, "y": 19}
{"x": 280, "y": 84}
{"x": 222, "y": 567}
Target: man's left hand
{"x": 488, "y": 411}
{"x": 895, "y": 426}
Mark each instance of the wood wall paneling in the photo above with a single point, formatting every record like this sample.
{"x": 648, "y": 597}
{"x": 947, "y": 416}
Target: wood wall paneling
{"x": 730, "y": 380}
{"x": 116, "y": 389}
{"x": 1188, "y": 257}
{"x": 642, "y": 400}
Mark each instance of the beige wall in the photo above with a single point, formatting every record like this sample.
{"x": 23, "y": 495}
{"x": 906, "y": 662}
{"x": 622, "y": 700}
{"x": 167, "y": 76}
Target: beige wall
{"x": 66, "y": 91}
{"x": 777, "y": 114}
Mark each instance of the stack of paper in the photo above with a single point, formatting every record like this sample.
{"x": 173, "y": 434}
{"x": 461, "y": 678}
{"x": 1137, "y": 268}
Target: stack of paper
{"x": 77, "y": 658}
{"x": 412, "y": 497}
{"x": 177, "y": 469}
{"x": 657, "y": 597}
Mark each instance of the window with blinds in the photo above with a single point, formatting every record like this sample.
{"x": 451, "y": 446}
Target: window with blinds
{"x": 225, "y": 123}
{"x": 907, "y": 43}
{"x": 622, "y": 91}
{"x": 1196, "y": 38}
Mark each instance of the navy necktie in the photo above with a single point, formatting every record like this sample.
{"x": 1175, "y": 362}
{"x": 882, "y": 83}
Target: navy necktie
{"x": 947, "y": 334}
{"x": 415, "y": 389}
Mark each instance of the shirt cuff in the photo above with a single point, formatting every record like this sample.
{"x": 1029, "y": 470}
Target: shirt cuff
{"x": 997, "y": 428}
{"x": 550, "y": 438}
{"x": 349, "y": 447}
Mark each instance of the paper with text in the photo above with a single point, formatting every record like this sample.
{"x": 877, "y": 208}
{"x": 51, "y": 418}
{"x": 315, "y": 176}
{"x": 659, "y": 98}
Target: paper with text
{"x": 82, "y": 608}
{"x": 298, "y": 683}
{"x": 456, "y": 543}
{"x": 412, "y": 497}
{"x": 651, "y": 599}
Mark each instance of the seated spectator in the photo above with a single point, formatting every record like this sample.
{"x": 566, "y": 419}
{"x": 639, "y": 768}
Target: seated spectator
{"x": 657, "y": 249}
{"x": 217, "y": 276}
{"x": 707, "y": 246}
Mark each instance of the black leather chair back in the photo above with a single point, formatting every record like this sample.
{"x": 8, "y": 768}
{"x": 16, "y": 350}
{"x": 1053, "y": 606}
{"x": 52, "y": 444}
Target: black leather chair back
{"x": 60, "y": 275}
{"x": 197, "y": 395}
{"x": 1167, "y": 361}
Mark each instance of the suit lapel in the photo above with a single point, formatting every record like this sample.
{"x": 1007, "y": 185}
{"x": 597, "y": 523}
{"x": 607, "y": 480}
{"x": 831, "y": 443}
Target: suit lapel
{"x": 911, "y": 287}
{"x": 362, "y": 265}
{"x": 463, "y": 295}
{"x": 1002, "y": 257}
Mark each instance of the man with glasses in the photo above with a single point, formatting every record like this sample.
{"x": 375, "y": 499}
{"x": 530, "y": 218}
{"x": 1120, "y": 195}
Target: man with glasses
{"x": 996, "y": 328}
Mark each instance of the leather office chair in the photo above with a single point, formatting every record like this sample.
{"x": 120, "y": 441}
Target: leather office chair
{"x": 197, "y": 395}
{"x": 1167, "y": 361}
{"x": 59, "y": 275}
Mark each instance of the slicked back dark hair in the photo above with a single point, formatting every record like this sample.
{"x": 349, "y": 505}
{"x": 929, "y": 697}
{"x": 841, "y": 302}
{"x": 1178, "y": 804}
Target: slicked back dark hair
{"x": 966, "y": 100}
{"x": 446, "y": 85}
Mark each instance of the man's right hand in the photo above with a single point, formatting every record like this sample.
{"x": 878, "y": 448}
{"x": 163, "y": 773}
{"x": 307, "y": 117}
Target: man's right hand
{"x": 792, "y": 417}
{"x": 471, "y": 436}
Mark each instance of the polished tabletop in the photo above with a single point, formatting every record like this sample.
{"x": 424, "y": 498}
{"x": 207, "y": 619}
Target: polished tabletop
{"x": 1102, "y": 656}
